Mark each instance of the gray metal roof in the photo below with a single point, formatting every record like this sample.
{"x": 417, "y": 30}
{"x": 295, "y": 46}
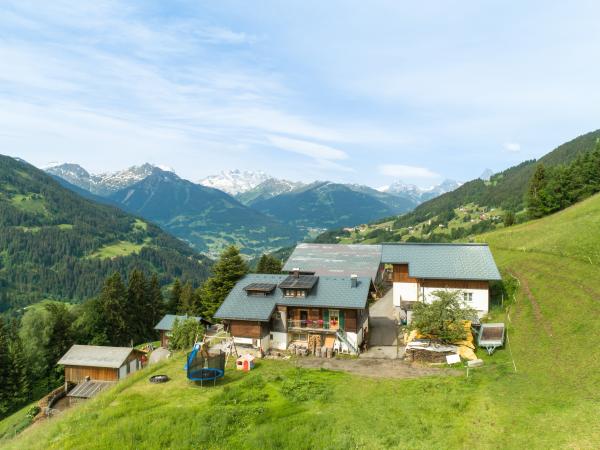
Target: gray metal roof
{"x": 90, "y": 388}
{"x": 443, "y": 261}
{"x": 167, "y": 322}
{"x": 336, "y": 259}
{"x": 329, "y": 292}
{"x": 95, "y": 356}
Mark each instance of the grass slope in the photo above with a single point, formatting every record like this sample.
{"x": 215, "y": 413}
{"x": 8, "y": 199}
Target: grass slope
{"x": 552, "y": 401}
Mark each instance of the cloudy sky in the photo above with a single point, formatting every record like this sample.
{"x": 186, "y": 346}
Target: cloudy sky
{"x": 352, "y": 91}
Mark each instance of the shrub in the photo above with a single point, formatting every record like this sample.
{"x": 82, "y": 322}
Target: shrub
{"x": 185, "y": 334}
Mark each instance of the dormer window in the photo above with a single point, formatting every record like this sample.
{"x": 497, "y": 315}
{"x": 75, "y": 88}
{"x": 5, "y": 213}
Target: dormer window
{"x": 260, "y": 289}
{"x": 297, "y": 285}
{"x": 294, "y": 293}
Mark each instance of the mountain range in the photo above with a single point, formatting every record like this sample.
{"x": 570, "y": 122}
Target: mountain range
{"x": 102, "y": 184}
{"x": 419, "y": 195}
{"x": 250, "y": 209}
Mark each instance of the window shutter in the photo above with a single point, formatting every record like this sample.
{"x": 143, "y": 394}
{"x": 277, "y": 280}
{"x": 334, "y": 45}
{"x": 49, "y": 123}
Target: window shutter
{"x": 326, "y": 318}
{"x": 342, "y": 320}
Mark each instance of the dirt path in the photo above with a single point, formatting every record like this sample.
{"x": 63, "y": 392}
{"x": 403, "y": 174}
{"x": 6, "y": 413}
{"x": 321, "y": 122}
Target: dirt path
{"x": 375, "y": 368}
{"x": 537, "y": 311}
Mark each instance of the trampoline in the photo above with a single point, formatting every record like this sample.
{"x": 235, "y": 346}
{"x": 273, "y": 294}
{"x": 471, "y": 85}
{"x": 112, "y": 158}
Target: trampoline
{"x": 205, "y": 367}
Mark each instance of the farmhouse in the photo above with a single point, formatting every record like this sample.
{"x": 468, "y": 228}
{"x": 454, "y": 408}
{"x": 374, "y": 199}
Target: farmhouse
{"x": 418, "y": 270}
{"x": 304, "y": 309}
{"x": 323, "y": 298}
{"x": 165, "y": 326}
{"x": 99, "y": 363}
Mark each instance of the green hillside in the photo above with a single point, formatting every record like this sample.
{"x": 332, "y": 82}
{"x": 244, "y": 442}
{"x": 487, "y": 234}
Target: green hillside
{"x": 208, "y": 219}
{"x": 505, "y": 189}
{"x": 329, "y": 205}
{"x": 56, "y": 244}
{"x": 551, "y": 401}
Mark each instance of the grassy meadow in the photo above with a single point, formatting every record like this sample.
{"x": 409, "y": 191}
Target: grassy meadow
{"x": 551, "y": 401}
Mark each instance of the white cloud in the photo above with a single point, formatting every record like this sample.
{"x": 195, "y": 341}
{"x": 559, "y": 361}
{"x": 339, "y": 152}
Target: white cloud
{"x": 402, "y": 171}
{"x": 512, "y": 147}
{"x": 316, "y": 151}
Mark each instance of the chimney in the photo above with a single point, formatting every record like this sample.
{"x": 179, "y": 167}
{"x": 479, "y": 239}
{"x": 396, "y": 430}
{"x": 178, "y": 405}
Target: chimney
{"x": 296, "y": 272}
{"x": 353, "y": 280}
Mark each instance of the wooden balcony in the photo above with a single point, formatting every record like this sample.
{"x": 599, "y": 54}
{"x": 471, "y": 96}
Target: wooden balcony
{"x": 312, "y": 325}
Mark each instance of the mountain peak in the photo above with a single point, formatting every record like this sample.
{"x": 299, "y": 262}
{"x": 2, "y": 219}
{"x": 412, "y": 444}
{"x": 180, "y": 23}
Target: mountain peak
{"x": 235, "y": 181}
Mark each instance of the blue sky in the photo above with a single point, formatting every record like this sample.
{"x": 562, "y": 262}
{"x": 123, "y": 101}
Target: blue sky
{"x": 351, "y": 91}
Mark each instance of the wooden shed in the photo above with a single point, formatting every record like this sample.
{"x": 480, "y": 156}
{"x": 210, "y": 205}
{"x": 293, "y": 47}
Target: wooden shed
{"x": 93, "y": 362}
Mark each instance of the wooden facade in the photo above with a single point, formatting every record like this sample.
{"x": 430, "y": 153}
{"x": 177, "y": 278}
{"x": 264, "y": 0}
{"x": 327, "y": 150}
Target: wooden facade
{"x": 246, "y": 329}
{"x": 455, "y": 284}
{"x": 400, "y": 274}
{"x": 76, "y": 374}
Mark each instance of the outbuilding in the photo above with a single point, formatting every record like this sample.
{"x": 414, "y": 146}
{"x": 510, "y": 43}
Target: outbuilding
{"x": 100, "y": 363}
{"x": 166, "y": 324}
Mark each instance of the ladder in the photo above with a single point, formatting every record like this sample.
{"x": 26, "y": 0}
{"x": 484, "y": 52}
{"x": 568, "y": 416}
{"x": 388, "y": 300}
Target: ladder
{"x": 341, "y": 335}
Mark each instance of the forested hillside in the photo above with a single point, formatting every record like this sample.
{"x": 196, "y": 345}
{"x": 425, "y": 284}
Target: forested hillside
{"x": 506, "y": 189}
{"x": 329, "y": 205}
{"x": 56, "y": 244}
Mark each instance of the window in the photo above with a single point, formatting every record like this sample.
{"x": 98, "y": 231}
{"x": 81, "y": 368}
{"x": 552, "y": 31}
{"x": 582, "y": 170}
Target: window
{"x": 468, "y": 297}
{"x": 294, "y": 293}
{"x": 300, "y": 337}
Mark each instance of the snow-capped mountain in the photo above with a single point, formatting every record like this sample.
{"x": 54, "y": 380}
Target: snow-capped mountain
{"x": 102, "y": 184}
{"x": 268, "y": 189}
{"x": 417, "y": 194}
{"x": 235, "y": 181}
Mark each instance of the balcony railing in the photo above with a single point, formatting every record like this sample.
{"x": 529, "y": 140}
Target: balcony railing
{"x": 313, "y": 325}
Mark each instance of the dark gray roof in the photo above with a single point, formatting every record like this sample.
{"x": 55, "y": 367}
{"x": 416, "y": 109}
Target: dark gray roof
{"x": 299, "y": 282}
{"x": 260, "y": 287}
{"x": 336, "y": 259}
{"x": 329, "y": 292}
{"x": 443, "y": 261}
{"x": 96, "y": 356}
{"x": 167, "y": 322}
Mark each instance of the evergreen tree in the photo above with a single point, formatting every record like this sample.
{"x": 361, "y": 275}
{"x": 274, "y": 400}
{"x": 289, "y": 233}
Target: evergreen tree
{"x": 187, "y": 301}
{"x": 137, "y": 308}
{"x": 5, "y": 371}
{"x": 535, "y": 194}
{"x": 226, "y": 272}
{"x": 19, "y": 373}
{"x": 156, "y": 304}
{"x": 268, "y": 264}
{"x": 509, "y": 219}
{"x": 173, "y": 303}
{"x": 60, "y": 338}
{"x": 112, "y": 311}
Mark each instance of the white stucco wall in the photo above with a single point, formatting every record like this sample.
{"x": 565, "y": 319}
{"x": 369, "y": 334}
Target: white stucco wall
{"x": 243, "y": 341}
{"x": 480, "y": 298}
{"x": 404, "y": 291}
{"x": 279, "y": 341}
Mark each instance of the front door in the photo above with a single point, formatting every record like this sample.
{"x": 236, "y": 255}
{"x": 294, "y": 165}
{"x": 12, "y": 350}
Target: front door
{"x": 303, "y": 318}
